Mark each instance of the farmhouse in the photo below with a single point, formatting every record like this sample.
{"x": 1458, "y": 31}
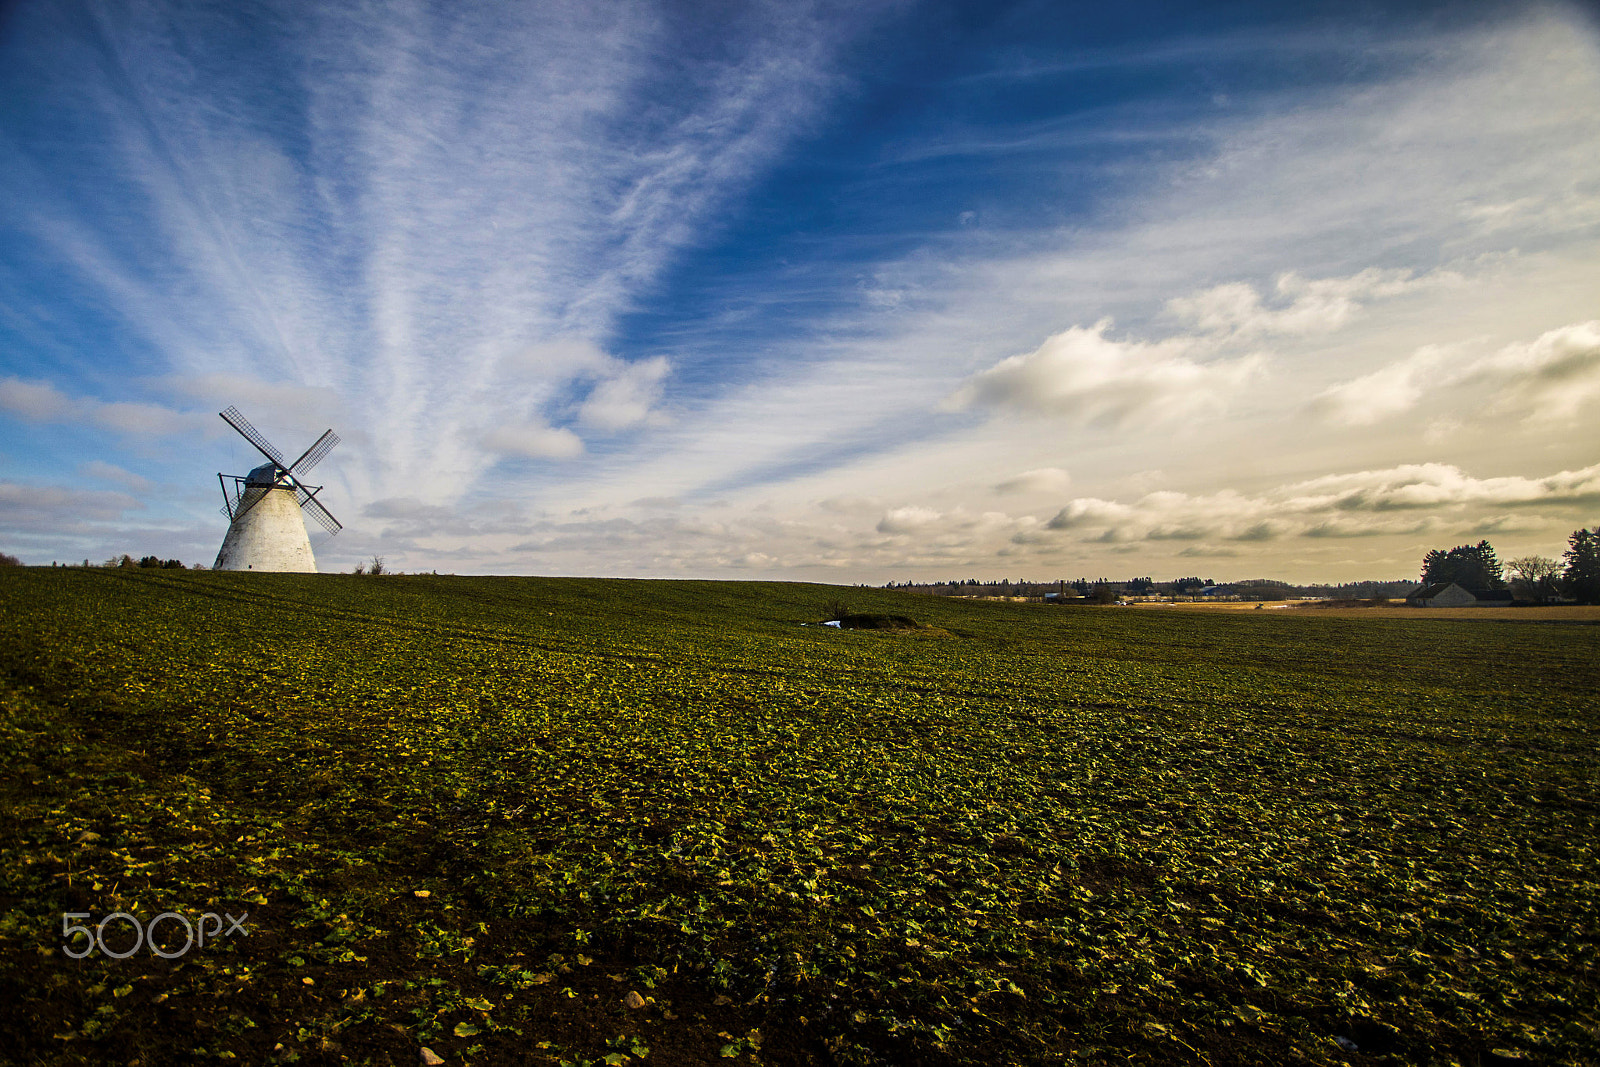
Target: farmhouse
{"x": 1451, "y": 595}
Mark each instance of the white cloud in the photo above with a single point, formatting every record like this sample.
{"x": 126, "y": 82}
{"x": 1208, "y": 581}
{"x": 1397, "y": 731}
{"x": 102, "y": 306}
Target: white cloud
{"x": 1397, "y": 500}
{"x": 149, "y": 420}
{"x": 109, "y": 472}
{"x": 1043, "y": 480}
{"x": 1556, "y": 376}
{"x": 410, "y": 520}
{"x": 1302, "y": 305}
{"x": 1082, "y": 375}
{"x": 43, "y": 402}
{"x": 534, "y": 441}
{"x": 44, "y": 508}
{"x": 1438, "y": 485}
{"x": 626, "y": 396}
{"x": 1388, "y": 391}
{"x": 1090, "y": 511}
{"x": 907, "y": 520}
{"x": 286, "y": 406}
{"x": 34, "y": 401}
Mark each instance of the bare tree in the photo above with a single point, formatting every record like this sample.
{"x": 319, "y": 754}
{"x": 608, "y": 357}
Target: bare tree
{"x": 1535, "y": 577}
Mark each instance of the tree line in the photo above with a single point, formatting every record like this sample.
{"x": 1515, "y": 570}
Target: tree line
{"x": 1109, "y": 589}
{"x": 1477, "y": 568}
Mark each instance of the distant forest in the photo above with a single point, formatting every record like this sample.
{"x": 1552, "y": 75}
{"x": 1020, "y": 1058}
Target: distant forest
{"x": 1252, "y": 588}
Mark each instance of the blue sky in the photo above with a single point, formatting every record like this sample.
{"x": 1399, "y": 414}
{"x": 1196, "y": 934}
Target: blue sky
{"x": 845, "y": 292}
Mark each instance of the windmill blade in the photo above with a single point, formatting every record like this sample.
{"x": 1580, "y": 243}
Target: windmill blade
{"x": 315, "y": 454}
{"x": 311, "y": 504}
{"x": 307, "y": 495}
{"x": 251, "y": 434}
{"x": 248, "y": 499}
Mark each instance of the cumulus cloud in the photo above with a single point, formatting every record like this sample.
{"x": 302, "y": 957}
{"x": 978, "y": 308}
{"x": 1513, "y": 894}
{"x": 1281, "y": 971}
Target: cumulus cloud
{"x": 52, "y": 508}
{"x": 1082, "y": 375}
{"x": 1043, "y": 480}
{"x": 1387, "y": 391}
{"x": 1299, "y": 305}
{"x": 1436, "y": 485}
{"x": 148, "y": 420}
{"x": 907, "y": 520}
{"x": 1090, "y": 511}
{"x": 42, "y": 402}
{"x": 954, "y": 531}
{"x": 34, "y": 401}
{"x": 1396, "y": 500}
{"x": 625, "y": 396}
{"x": 533, "y": 441}
{"x": 1556, "y": 376}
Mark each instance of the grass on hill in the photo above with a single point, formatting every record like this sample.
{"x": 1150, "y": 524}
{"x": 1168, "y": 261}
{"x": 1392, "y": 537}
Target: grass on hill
{"x": 487, "y": 815}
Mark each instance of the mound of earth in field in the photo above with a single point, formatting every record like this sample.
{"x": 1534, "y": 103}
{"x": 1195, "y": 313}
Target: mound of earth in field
{"x": 878, "y": 622}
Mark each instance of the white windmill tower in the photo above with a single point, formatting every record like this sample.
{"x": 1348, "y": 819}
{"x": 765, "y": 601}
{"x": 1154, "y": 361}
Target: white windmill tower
{"x": 267, "y": 531}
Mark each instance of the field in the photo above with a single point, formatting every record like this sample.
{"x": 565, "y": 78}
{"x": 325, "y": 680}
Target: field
{"x": 593, "y": 822}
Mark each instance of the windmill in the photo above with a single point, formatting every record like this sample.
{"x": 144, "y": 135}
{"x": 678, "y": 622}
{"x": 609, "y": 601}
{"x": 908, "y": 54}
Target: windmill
{"x": 267, "y": 531}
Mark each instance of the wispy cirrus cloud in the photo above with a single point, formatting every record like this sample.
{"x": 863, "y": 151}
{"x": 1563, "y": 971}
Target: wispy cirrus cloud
{"x": 442, "y": 193}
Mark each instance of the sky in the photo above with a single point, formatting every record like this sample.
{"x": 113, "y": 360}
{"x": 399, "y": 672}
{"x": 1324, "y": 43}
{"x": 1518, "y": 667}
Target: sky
{"x": 840, "y": 292}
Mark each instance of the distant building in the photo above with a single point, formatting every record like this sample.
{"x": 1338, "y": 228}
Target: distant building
{"x": 1451, "y": 595}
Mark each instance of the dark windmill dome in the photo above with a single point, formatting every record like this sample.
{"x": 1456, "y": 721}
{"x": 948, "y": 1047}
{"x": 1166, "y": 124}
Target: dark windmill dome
{"x": 265, "y": 475}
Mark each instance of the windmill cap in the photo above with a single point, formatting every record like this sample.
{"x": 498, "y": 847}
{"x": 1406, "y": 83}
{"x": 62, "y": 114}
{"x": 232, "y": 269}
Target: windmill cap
{"x": 264, "y": 475}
